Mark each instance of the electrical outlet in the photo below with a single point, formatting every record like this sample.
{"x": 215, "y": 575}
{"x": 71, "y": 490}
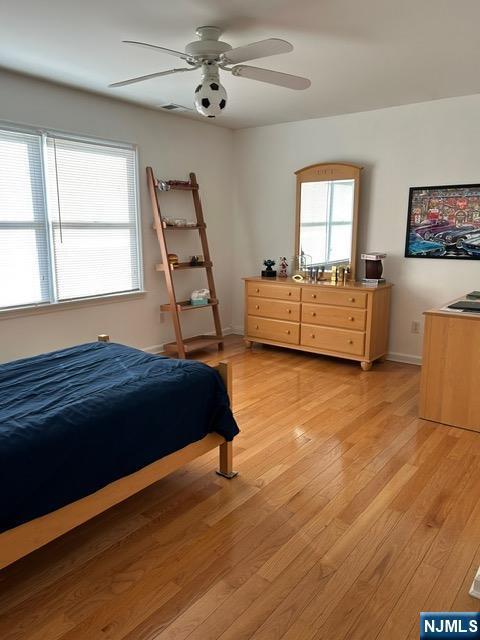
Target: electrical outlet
{"x": 415, "y": 327}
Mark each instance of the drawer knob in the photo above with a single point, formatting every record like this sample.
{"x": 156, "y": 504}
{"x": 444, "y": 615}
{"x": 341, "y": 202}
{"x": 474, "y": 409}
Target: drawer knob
{"x": 289, "y": 293}
{"x": 351, "y": 318}
{"x": 314, "y": 295}
{"x": 289, "y": 311}
{"x": 257, "y": 306}
{"x": 257, "y": 290}
{"x": 312, "y": 335}
{"x": 314, "y": 313}
{"x": 351, "y": 299}
{"x": 288, "y": 332}
{"x": 350, "y": 342}
{"x": 256, "y": 326}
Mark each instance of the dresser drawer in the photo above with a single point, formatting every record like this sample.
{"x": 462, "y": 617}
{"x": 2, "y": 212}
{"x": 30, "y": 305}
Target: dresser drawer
{"x": 330, "y": 339}
{"x": 277, "y": 291}
{"x": 276, "y": 330}
{"x": 274, "y": 309}
{"x": 319, "y": 295}
{"x": 342, "y": 317}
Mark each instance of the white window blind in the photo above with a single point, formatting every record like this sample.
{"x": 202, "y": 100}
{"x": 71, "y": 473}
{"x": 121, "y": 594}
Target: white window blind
{"x": 23, "y": 234}
{"x": 68, "y": 219}
{"x": 92, "y": 204}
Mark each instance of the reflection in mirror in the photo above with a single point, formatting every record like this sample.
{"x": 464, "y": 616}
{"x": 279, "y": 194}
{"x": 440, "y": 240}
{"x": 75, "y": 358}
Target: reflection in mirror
{"x": 326, "y": 221}
{"x": 326, "y": 217}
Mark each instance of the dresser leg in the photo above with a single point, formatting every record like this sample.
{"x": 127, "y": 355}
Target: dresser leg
{"x": 366, "y": 366}
{"x": 248, "y": 343}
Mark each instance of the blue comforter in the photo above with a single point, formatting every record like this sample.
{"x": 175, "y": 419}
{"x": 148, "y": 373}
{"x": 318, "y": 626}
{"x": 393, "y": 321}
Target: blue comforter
{"x": 73, "y": 421}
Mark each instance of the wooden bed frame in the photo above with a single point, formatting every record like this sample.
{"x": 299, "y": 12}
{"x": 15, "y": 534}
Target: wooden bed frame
{"x": 22, "y": 540}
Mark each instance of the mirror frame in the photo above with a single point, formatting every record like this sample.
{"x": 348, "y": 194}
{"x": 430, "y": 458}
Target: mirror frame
{"x": 330, "y": 171}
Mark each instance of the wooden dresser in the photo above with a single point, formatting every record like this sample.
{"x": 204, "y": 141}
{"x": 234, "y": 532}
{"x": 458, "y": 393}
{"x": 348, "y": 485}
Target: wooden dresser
{"x": 349, "y": 321}
{"x": 451, "y": 368}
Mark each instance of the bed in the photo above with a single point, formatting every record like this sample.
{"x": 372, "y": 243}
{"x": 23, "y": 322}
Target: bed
{"x": 84, "y": 428}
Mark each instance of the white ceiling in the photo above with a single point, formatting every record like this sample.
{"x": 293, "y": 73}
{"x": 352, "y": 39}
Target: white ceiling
{"x": 359, "y": 54}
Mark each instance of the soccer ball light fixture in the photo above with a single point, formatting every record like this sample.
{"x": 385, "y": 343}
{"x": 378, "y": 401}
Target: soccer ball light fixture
{"x": 211, "y": 55}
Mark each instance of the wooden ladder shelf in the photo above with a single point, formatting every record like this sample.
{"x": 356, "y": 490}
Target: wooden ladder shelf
{"x": 182, "y": 346}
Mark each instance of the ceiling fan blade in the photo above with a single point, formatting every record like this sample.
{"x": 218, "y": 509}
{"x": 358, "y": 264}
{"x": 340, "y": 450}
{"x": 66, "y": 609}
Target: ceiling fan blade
{"x": 170, "y": 52}
{"x": 123, "y": 83}
{"x": 261, "y": 49}
{"x": 272, "y": 77}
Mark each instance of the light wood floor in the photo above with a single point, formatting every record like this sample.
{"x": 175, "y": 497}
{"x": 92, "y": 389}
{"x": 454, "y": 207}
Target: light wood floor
{"x": 349, "y": 516}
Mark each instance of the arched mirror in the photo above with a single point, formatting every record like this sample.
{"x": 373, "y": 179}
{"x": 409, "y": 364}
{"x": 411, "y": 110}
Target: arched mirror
{"x": 327, "y": 215}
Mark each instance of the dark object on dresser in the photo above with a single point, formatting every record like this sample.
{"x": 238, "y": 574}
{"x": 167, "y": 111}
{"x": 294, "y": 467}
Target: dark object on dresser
{"x": 269, "y": 272}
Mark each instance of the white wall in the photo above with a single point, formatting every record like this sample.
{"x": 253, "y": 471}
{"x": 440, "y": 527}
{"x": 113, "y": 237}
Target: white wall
{"x": 174, "y": 146}
{"x": 430, "y": 143}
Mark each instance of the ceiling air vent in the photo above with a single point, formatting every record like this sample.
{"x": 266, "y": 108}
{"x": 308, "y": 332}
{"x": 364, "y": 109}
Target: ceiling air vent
{"x": 172, "y": 106}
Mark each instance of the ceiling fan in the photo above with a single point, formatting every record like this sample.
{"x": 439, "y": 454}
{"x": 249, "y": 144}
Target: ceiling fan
{"x": 211, "y": 54}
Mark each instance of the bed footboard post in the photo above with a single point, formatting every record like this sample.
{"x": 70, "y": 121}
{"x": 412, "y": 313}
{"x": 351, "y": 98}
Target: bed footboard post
{"x": 224, "y": 368}
{"x": 225, "y": 450}
{"x": 226, "y": 461}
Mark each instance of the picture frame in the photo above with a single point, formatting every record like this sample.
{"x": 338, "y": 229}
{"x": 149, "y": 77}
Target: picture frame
{"x": 444, "y": 222}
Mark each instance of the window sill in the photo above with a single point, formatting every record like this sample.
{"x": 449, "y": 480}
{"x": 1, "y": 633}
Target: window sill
{"x": 33, "y": 310}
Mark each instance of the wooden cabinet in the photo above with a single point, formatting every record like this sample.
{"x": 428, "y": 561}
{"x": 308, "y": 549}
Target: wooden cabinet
{"x": 348, "y": 321}
{"x": 331, "y": 316}
{"x": 274, "y": 309}
{"x": 330, "y": 338}
{"x": 263, "y": 290}
{"x": 288, "y": 332}
{"x": 331, "y": 296}
{"x": 451, "y": 368}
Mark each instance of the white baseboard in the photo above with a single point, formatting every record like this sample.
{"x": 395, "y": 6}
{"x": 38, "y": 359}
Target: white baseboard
{"x": 156, "y": 348}
{"x": 159, "y": 348}
{"x": 238, "y": 329}
{"x": 395, "y": 357}
{"x": 408, "y": 358}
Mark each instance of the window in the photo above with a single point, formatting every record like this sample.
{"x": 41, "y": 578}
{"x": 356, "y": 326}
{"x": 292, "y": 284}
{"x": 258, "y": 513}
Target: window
{"x": 68, "y": 219}
{"x": 326, "y": 226}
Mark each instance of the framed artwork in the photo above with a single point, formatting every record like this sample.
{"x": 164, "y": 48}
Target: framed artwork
{"x": 444, "y": 222}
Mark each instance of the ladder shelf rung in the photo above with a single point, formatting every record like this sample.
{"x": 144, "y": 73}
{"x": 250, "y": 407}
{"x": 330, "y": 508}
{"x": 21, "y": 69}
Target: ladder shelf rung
{"x": 185, "y": 227}
{"x": 182, "y": 186}
{"x": 194, "y": 344}
{"x": 184, "y": 265}
{"x": 186, "y": 305}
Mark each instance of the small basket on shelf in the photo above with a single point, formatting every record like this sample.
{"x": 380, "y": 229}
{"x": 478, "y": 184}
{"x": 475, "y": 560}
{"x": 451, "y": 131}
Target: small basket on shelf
{"x": 199, "y": 297}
